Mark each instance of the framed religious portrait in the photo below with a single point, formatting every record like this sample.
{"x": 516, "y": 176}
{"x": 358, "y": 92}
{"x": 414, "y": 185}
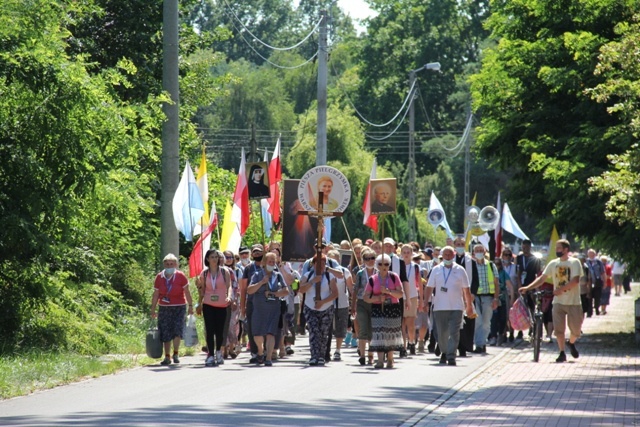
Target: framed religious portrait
{"x": 382, "y": 196}
{"x": 258, "y": 180}
{"x": 345, "y": 257}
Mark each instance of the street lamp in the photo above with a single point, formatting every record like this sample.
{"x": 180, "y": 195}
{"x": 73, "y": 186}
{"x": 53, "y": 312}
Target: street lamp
{"x": 434, "y": 66}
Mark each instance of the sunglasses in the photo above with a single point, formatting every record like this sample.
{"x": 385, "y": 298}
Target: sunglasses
{"x": 506, "y": 254}
{"x": 368, "y": 258}
{"x": 381, "y": 264}
{"x": 228, "y": 257}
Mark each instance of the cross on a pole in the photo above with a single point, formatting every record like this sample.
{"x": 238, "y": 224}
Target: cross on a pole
{"x": 320, "y": 214}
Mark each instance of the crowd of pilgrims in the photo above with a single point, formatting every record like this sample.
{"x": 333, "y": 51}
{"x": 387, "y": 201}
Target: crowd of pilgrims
{"x": 253, "y": 301}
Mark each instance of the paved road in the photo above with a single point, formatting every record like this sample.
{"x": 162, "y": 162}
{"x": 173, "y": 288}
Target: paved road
{"x": 289, "y": 393}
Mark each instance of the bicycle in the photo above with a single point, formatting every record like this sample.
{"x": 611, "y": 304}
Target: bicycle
{"x": 537, "y": 324}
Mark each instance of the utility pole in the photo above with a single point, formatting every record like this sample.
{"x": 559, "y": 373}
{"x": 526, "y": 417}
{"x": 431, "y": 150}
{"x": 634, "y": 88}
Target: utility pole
{"x": 170, "y": 128}
{"x": 323, "y": 55}
{"x": 467, "y": 172}
{"x": 435, "y": 66}
{"x": 412, "y": 158}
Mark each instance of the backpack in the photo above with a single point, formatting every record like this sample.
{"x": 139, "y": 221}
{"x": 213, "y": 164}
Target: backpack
{"x": 519, "y": 315}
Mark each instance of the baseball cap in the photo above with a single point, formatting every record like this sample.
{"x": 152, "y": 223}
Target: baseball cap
{"x": 389, "y": 240}
{"x": 257, "y": 247}
{"x": 243, "y": 250}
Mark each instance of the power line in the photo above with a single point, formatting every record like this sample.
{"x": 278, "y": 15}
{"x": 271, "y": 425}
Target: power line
{"x": 268, "y": 45}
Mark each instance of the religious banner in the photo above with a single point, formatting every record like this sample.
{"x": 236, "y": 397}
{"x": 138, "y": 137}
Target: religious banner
{"x": 258, "y": 180}
{"x": 329, "y": 181}
{"x": 298, "y": 231}
{"x": 383, "y": 196}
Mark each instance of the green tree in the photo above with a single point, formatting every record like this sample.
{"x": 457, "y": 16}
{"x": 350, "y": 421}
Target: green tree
{"x": 538, "y": 120}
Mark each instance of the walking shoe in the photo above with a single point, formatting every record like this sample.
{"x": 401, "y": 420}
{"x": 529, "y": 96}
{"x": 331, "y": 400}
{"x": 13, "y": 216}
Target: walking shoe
{"x": 437, "y": 350}
{"x": 412, "y": 349}
{"x": 354, "y": 342}
{"x": 321, "y": 362}
{"x": 562, "y": 357}
{"x": 219, "y": 359}
{"x": 253, "y": 359}
{"x": 574, "y": 350}
{"x": 451, "y": 362}
{"x": 175, "y": 359}
{"x": 336, "y": 356}
{"x": 421, "y": 347}
{"x": 431, "y": 347}
{"x": 443, "y": 360}
{"x": 211, "y": 361}
{"x": 361, "y": 360}
{"x": 478, "y": 350}
{"x": 511, "y": 337}
{"x": 379, "y": 365}
{"x": 268, "y": 363}
{"x": 403, "y": 352}
{"x": 313, "y": 362}
{"x": 260, "y": 359}
{"x": 289, "y": 350}
{"x": 166, "y": 361}
{"x": 463, "y": 353}
{"x": 492, "y": 341}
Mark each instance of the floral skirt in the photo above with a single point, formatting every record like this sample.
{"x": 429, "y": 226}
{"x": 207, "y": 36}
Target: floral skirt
{"x": 386, "y": 326}
{"x": 171, "y": 320}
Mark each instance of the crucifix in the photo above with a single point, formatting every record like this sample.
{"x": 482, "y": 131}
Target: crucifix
{"x": 320, "y": 214}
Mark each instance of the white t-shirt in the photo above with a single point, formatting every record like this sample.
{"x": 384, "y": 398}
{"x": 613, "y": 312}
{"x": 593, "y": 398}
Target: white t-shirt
{"x": 449, "y": 284}
{"x": 325, "y": 291}
{"x": 343, "y": 295}
{"x": 562, "y": 272}
{"x": 414, "y": 279}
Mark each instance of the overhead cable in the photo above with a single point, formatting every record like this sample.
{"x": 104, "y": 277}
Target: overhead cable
{"x": 266, "y": 44}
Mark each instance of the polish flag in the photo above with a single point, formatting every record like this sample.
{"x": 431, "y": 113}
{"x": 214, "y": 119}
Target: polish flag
{"x": 275, "y": 176}
{"x": 196, "y": 259}
{"x": 240, "y": 211}
{"x": 369, "y": 220}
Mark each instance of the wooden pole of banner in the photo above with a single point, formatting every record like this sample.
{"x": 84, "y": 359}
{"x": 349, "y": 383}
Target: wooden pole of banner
{"x": 381, "y": 227}
{"x": 262, "y": 227}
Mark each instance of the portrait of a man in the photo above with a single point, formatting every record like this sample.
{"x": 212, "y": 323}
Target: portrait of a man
{"x": 383, "y": 196}
{"x": 258, "y": 180}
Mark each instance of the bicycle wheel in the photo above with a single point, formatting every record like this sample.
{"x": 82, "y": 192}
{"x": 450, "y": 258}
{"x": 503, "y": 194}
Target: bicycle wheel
{"x": 537, "y": 338}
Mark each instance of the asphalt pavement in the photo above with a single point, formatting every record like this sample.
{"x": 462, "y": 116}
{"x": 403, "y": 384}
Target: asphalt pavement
{"x": 503, "y": 387}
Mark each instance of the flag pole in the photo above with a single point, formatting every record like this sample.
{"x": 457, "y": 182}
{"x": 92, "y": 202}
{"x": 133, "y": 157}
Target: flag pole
{"x": 382, "y": 227}
{"x": 262, "y": 226}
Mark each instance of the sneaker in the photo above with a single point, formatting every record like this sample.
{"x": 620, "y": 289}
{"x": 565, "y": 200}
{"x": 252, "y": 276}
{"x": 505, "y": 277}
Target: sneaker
{"x": 268, "y": 363}
{"x": 313, "y": 362}
{"x": 492, "y": 341}
{"x": 574, "y": 350}
{"x": 211, "y": 361}
{"x": 562, "y": 357}
{"x": 421, "y": 347}
{"x": 220, "y": 359}
{"x": 336, "y": 356}
{"x": 478, "y": 350}
{"x": 451, "y": 362}
{"x": 443, "y": 360}
{"x": 176, "y": 359}
{"x": 378, "y": 365}
{"x": 403, "y": 352}
{"x": 253, "y": 359}
{"x": 166, "y": 361}
{"x": 321, "y": 362}
{"x": 289, "y": 350}
{"x": 412, "y": 349}
{"x": 354, "y": 342}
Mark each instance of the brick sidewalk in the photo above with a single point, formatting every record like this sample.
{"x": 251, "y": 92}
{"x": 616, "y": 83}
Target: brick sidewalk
{"x": 600, "y": 388}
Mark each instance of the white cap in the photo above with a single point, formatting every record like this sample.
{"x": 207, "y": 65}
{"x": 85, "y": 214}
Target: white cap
{"x": 389, "y": 240}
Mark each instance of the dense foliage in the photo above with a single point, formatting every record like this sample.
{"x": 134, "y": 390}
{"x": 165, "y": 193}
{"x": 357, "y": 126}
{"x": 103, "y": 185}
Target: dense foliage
{"x": 540, "y": 120}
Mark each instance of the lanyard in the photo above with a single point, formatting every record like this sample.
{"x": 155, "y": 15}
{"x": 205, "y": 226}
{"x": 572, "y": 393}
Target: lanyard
{"x": 446, "y": 276}
{"x": 214, "y": 279}
{"x": 169, "y": 282}
{"x": 271, "y": 281}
